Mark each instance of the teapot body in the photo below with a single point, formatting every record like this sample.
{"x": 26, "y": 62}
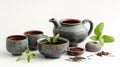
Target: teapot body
{"x": 75, "y": 34}
{"x": 72, "y": 29}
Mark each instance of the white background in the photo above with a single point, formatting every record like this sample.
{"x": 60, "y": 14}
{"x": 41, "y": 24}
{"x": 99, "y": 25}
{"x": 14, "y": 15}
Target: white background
{"x": 18, "y": 16}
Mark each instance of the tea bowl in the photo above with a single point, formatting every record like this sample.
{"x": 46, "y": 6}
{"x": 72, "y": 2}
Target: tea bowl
{"x": 75, "y": 51}
{"x": 16, "y": 44}
{"x": 33, "y": 36}
{"x": 53, "y": 50}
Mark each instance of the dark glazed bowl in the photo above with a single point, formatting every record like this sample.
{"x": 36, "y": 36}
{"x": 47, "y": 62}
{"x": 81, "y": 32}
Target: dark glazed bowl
{"x": 33, "y": 36}
{"x": 53, "y": 50}
{"x": 75, "y": 51}
{"x": 16, "y": 44}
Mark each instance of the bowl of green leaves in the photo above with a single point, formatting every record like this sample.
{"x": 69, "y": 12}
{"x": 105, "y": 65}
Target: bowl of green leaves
{"x": 53, "y": 47}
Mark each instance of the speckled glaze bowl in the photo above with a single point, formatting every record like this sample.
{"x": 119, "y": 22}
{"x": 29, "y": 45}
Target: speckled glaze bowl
{"x": 53, "y": 50}
{"x": 16, "y": 44}
{"x": 33, "y": 36}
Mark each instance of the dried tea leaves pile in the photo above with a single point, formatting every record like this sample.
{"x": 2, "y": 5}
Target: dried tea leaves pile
{"x": 102, "y": 53}
{"x": 76, "y": 59}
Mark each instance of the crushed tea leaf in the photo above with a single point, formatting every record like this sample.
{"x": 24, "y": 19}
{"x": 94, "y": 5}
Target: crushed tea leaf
{"x": 76, "y": 59}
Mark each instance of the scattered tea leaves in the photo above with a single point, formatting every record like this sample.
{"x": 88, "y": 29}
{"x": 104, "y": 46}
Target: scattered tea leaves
{"x": 76, "y": 59}
{"x": 103, "y": 53}
{"x": 18, "y": 59}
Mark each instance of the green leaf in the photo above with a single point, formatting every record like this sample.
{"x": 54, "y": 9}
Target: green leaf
{"x": 18, "y": 59}
{"x": 48, "y": 38}
{"x": 101, "y": 41}
{"x": 27, "y": 51}
{"x": 98, "y": 30}
{"x": 108, "y": 38}
{"x": 54, "y": 40}
{"x": 33, "y": 55}
{"x": 28, "y": 58}
{"x": 94, "y": 38}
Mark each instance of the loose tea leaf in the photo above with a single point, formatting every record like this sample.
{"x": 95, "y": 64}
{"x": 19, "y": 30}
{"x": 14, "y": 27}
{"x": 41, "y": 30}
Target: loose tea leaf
{"x": 32, "y": 55}
{"x": 103, "y": 53}
{"x": 27, "y": 51}
{"x": 28, "y": 57}
{"x": 18, "y": 59}
{"x": 108, "y": 38}
{"x": 48, "y": 38}
{"x": 101, "y": 41}
{"x": 54, "y": 40}
{"x": 98, "y": 30}
{"x": 94, "y": 38}
{"x": 76, "y": 59}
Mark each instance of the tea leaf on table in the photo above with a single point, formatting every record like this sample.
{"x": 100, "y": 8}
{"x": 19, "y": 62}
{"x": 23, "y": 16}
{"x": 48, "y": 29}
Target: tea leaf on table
{"x": 54, "y": 40}
{"x": 101, "y": 41}
{"x": 94, "y": 38}
{"x": 98, "y": 30}
{"x": 18, "y": 59}
{"x": 108, "y": 38}
{"x": 48, "y": 38}
{"x": 28, "y": 58}
{"x": 27, "y": 51}
{"x": 33, "y": 55}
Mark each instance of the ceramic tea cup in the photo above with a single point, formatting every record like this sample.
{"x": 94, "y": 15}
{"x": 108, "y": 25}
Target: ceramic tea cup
{"x": 16, "y": 44}
{"x": 53, "y": 51}
{"x": 33, "y": 36}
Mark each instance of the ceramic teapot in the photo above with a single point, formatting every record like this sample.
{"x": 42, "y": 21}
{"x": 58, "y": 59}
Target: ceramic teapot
{"x": 72, "y": 29}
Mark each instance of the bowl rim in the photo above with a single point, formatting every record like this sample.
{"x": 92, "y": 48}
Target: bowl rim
{"x": 33, "y": 31}
{"x": 24, "y": 37}
{"x": 76, "y": 51}
{"x": 61, "y": 38}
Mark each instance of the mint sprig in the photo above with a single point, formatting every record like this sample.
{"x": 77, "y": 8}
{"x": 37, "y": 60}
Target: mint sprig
{"x": 99, "y": 37}
{"x": 28, "y": 56}
{"x": 53, "y": 40}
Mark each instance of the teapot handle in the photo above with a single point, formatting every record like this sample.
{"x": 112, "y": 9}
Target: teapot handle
{"x": 91, "y": 25}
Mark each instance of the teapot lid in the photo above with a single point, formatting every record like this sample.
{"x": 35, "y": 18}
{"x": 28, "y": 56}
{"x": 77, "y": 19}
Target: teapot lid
{"x": 70, "y": 22}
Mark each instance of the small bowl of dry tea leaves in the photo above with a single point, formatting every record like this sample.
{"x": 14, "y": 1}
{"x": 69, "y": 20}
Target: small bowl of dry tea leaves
{"x": 75, "y": 51}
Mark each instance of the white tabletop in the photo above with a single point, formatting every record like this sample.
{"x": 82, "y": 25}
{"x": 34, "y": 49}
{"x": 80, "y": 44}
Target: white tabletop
{"x": 18, "y": 16}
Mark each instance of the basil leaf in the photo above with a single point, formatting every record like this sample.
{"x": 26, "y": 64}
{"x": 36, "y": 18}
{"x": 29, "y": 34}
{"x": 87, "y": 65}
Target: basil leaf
{"x": 48, "y": 38}
{"x": 108, "y": 38}
{"x": 101, "y": 41}
{"x": 94, "y": 38}
{"x": 27, "y": 51}
{"x": 19, "y": 58}
{"x": 28, "y": 58}
{"x": 33, "y": 55}
{"x": 98, "y": 30}
{"x": 54, "y": 40}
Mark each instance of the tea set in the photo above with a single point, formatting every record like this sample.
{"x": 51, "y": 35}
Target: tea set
{"x": 72, "y": 32}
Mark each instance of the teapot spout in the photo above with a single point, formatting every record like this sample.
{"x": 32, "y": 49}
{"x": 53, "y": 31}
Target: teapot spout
{"x": 56, "y": 24}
